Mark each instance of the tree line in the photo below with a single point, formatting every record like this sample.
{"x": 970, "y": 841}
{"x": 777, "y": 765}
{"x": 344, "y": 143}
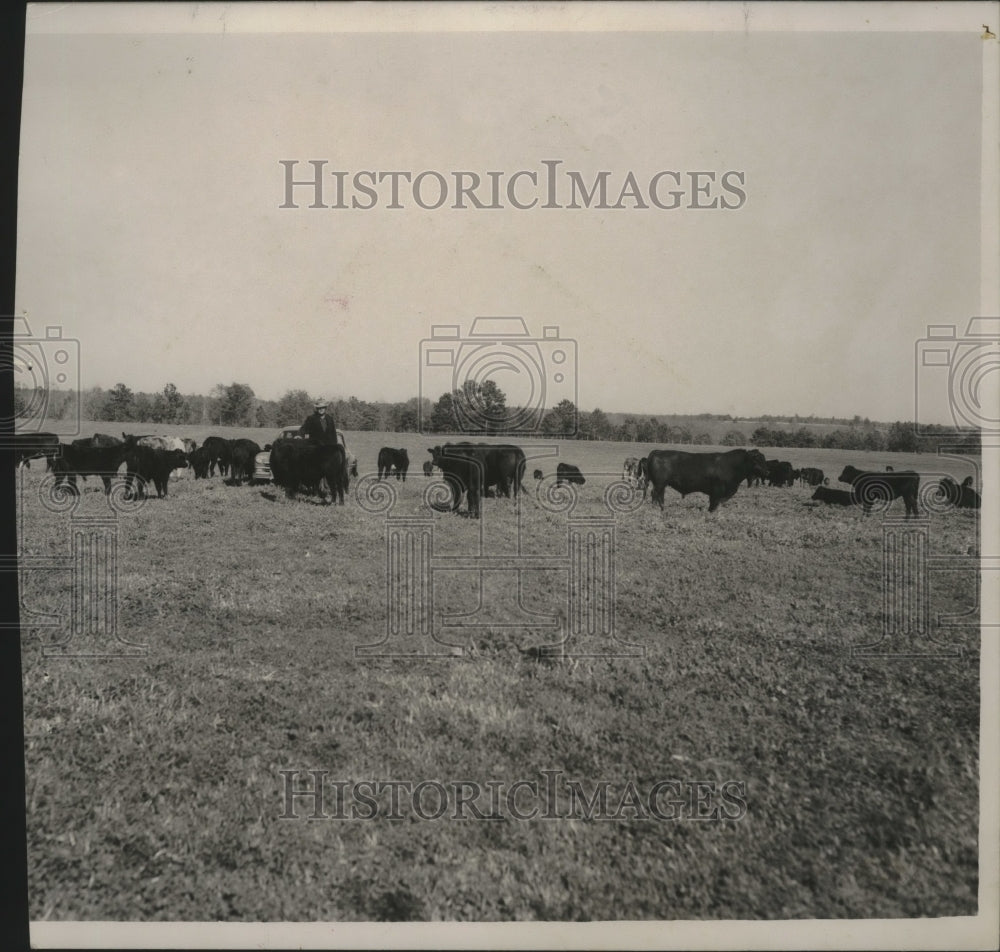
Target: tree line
{"x": 479, "y": 409}
{"x": 900, "y": 437}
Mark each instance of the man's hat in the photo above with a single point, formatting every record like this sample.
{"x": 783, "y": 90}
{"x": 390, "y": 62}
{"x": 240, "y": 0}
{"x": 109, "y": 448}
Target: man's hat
{"x": 320, "y": 402}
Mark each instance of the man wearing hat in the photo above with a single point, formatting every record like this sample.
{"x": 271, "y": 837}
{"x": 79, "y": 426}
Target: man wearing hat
{"x": 319, "y": 427}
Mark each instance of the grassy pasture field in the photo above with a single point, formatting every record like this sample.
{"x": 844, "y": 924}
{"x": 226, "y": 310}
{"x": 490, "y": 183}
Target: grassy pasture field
{"x": 154, "y": 785}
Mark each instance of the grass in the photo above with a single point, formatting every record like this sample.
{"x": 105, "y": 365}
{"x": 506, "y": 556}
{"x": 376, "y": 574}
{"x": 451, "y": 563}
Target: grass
{"x": 154, "y": 785}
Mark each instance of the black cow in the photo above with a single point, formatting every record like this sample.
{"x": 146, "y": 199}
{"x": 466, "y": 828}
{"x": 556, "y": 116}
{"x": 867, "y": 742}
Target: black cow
{"x": 393, "y": 462}
{"x": 242, "y": 454}
{"x": 964, "y": 496}
{"x": 428, "y": 468}
{"x": 779, "y": 473}
{"x": 303, "y": 465}
{"x": 970, "y": 498}
{"x": 869, "y": 488}
{"x": 102, "y": 439}
{"x": 463, "y": 466}
{"x": 756, "y": 477}
{"x": 29, "y": 446}
{"x": 87, "y": 458}
{"x": 471, "y": 468}
{"x": 718, "y": 475}
{"x": 149, "y": 465}
{"x": 201, "y": 462}
{"x": 835, "y": 497}
{"x": 220, "y": 454}
{"x": 811, "y": 476}
{"x": 568, "y": 473}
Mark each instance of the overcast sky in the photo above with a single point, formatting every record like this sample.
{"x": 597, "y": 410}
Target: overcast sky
{"x": 150, "y": 226}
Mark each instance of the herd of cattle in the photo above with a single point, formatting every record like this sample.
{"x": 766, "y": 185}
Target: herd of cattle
{"x": 471, "y": 470}
{"x": 719, "y": 475}
{"x": 148, "y": 460}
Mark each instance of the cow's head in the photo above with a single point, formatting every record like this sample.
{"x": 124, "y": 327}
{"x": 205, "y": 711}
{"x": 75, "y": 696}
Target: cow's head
{"x": 849, "y": 474}
{"x": 948, "y": 491}
{"x": 758, "y": 464}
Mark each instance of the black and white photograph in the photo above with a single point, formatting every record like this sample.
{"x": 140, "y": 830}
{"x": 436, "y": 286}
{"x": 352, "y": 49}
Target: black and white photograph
{"x": 508, "y": 475}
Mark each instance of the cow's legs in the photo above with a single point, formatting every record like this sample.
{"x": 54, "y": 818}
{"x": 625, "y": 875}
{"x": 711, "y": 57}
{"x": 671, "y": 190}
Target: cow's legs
{"x": 133, "y": 486}
{"x": 715, "y": 501}
{"x": 719, "y": 495}
{"x": 457, "y": 490}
